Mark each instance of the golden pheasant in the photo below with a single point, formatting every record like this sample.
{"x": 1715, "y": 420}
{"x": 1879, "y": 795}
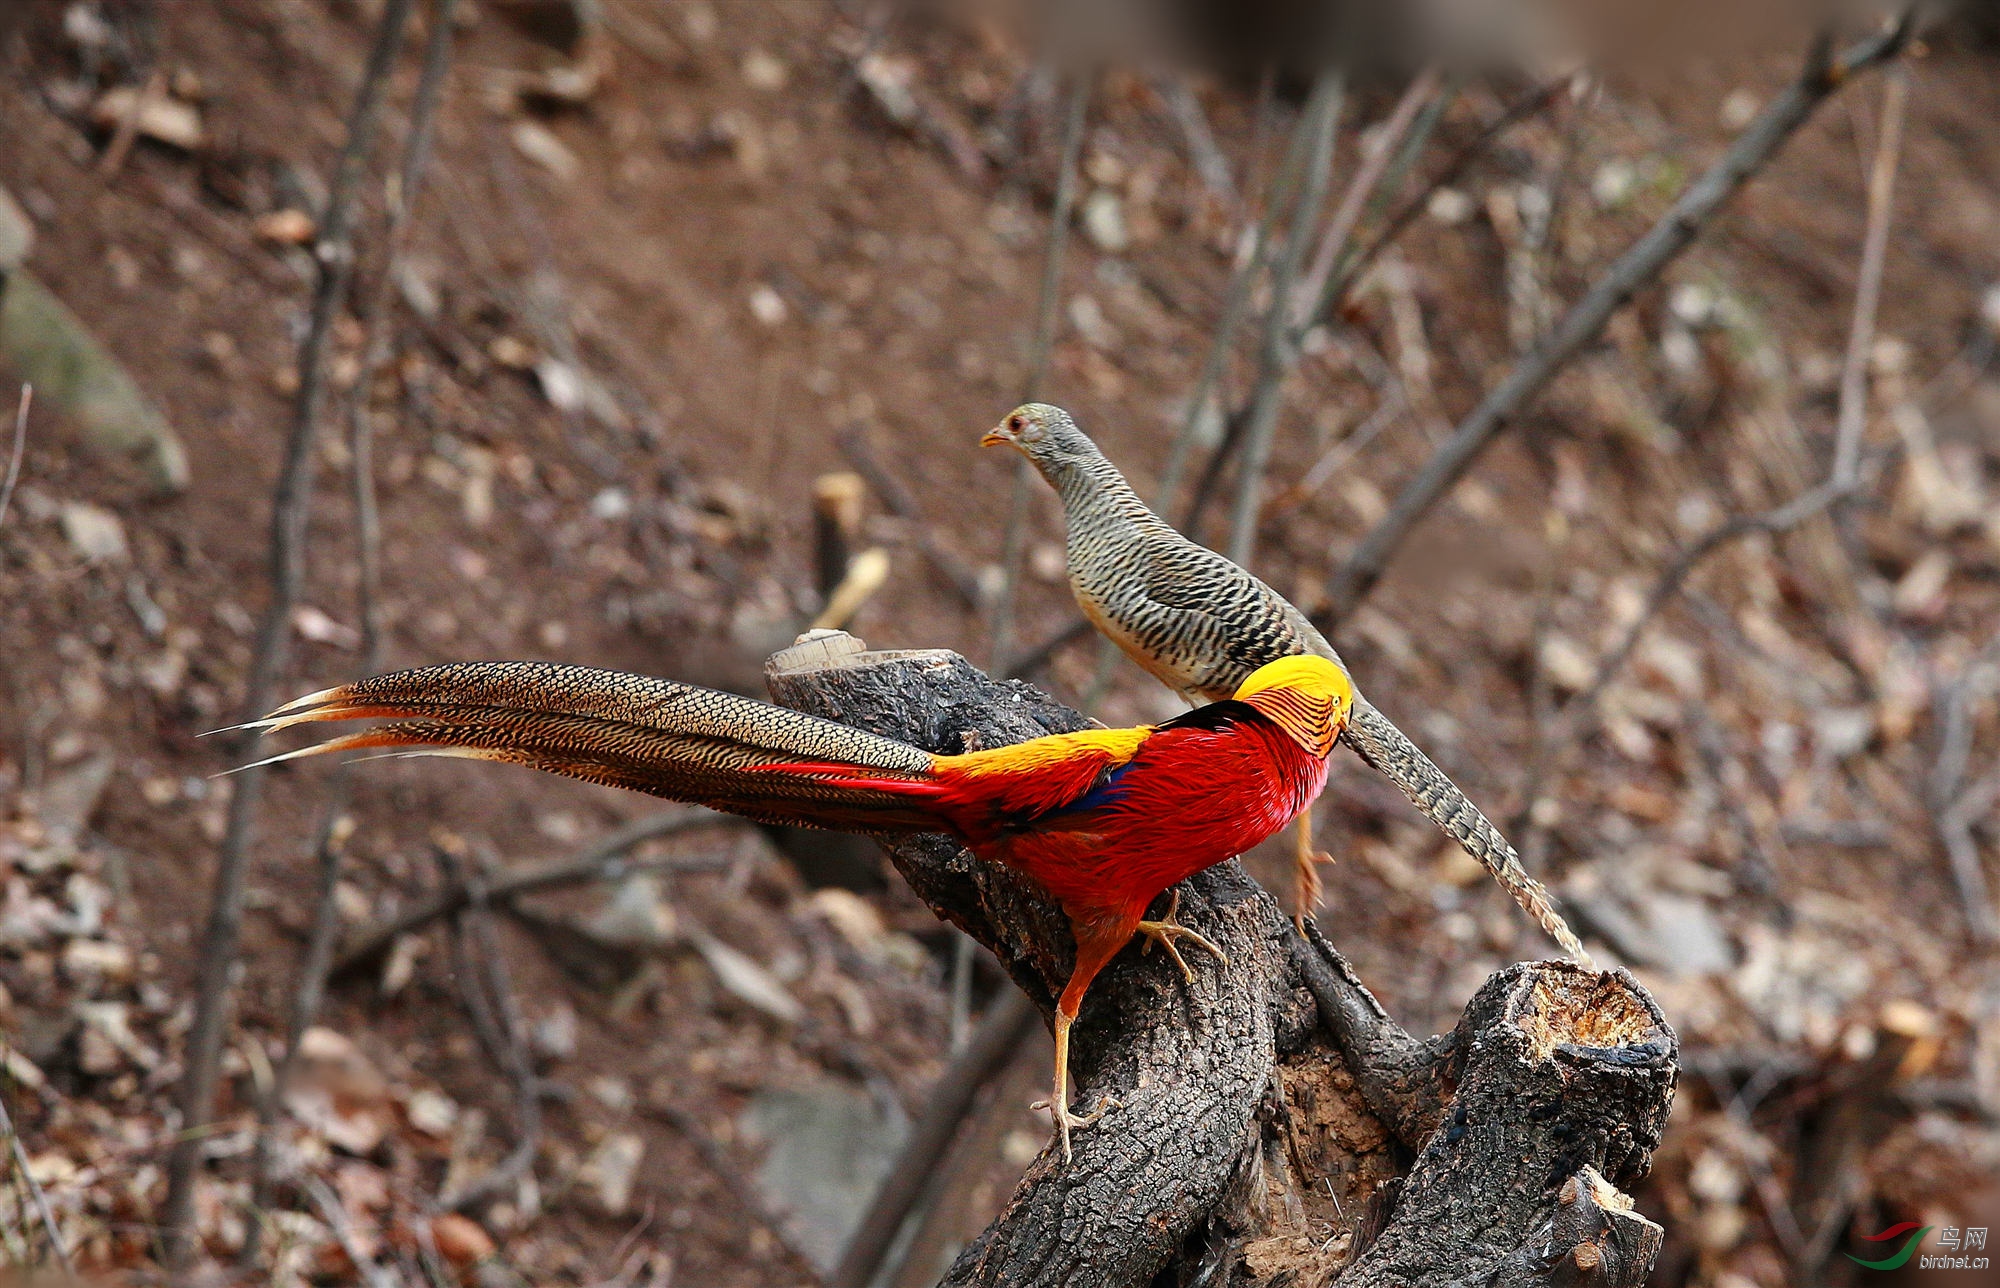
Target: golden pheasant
{"x": 1200, "y": 624}
{"x": 1104, "y": 820}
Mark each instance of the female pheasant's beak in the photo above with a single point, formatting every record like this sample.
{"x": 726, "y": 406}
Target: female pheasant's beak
{"x": 1021, "y": 428}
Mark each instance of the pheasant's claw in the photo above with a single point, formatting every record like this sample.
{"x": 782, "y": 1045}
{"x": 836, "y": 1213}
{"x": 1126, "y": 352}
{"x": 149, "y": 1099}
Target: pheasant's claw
{"x": 1305, "y": 879}
{"x": 1066, "y": 1121}
{"x": 1166, "y": 930}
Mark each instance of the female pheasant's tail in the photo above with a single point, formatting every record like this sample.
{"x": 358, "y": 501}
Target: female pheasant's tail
{"x": 1377, "y": 740}
{"x": 679, "y": 741}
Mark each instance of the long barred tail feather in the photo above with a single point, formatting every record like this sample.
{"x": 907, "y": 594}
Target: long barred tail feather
{"x": 661, "y": 737}
{"x": 1377, "y": 740}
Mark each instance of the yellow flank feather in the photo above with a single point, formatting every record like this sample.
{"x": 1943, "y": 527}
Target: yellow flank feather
{"x": 1113, "y": 747}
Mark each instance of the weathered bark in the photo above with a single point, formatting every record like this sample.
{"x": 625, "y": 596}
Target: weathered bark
{"x": 1271, "y": 1123}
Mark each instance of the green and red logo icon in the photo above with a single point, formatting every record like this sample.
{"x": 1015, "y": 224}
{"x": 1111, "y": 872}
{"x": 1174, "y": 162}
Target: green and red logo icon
{"x": 1897, "y": 1259}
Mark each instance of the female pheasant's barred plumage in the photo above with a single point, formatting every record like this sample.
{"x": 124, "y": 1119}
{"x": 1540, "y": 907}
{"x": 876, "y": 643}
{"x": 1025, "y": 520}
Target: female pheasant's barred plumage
{"x": 1200, "y": 624}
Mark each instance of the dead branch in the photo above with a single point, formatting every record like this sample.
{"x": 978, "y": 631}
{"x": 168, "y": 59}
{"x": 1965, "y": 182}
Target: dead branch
{"x": 368, "y": 541}
{"x": 1014, "y": 544}
{"x": 1954, "y": 807}
{"x": 1203, "y": 154}
{"x": 21, "y": 406}
{"x": 1320, "y": 124}
{"x": 1852, "y": 419}
{"x": 1361, "y": 189}
{"x": 42, "y": 1210}
{"x": 604, "y": 861}
{"x": 291, "y": 509}
{"x": 1580, "y": 326}
{"x": 1530, "y": 104}
{"x": 334, "y": 1212}
{"x": 1553, "y": 1071}
{"x": 496, "y": 1017}
{"x": 1000, "y": 1034}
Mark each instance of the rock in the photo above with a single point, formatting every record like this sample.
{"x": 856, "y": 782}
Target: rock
{"x": 637, "y": 916}
{"x": 539, "y": 145}
{"x": 553, "y": 1036}
{"x": 611, "y": 1171}
{"x": 159, "y": 117}
{"x": 17, "y": 233}
{"x": 99, "y": 958}
{"x": 764, "y": 71}
{"x": 69, "y": 799}
{"x": 828, "y": 1144}
{"x": 767, "y": 306}
{"x": 45, "y": 345}
{"x": 432, "y": 1112}
{"x": 743, "y": 977}
{"x": 1104, "y": 222}
{"x": 313, "y": 624}
{"x": 285, "y": 227}
{"x": 112, "y": 1021}
{"x": 93, "y": 533}
{"x": 460, "y": 1240}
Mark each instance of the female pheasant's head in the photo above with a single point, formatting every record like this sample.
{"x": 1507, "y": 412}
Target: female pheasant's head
{"x": 1045, "y": 435}
{"x": 1309, "y": 697}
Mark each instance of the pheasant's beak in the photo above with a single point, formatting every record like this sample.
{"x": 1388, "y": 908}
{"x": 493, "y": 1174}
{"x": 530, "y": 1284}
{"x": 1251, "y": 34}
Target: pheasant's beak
{"x": 998, "y": 436}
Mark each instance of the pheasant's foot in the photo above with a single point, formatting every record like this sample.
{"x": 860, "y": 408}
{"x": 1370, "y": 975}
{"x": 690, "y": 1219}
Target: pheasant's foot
{"x": 1066, "y": 1121}
{"x": 1305, "y": 881}
{"x": 1166, "y": 930}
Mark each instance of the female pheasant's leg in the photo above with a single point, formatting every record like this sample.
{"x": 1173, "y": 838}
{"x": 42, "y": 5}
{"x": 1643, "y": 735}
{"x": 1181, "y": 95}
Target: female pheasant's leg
{"x": 1306, "y": 861}
{"x": 1164, "y": 931}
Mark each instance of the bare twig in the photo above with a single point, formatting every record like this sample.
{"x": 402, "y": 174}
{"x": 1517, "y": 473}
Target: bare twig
{"x": 334, "y": 1212}
{"x": 1015, "y": 543}
{"x": 604, "y": 861}
{"x": 1206, "y": 157}
{"x": 1320, "y": 123}
{"x": 1001, "y": 1031}
{"x": 1253, "y": 250}
{"x": 1853, "y": 415}
{"x": 1953, "y": 807}
{"x": 42, "y": 1210}
{"x": 897, "y": 500}
{"x": 326, "y": 920}
{"x": 290, "y": 511}
{"x": 1581, "y": 325}
{"x": 127, "y": 131}
{"x": 1521, "y": 109}
{"x": 21, "y": 407}
{"x": 497, "y": 1016}
{"x": 1367, "y": 181}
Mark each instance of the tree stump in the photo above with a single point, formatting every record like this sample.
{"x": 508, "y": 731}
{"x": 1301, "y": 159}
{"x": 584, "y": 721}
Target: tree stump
{"x": 1273, "y": 1125}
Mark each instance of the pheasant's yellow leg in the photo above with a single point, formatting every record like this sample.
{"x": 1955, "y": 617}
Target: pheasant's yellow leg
{"x": 1164, "y": 931}
{"x": 1306, "y": 861}
{"x": 1097, "y": 941}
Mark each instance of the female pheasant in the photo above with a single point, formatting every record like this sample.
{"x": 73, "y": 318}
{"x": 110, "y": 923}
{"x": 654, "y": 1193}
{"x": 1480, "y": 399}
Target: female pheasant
{"x": 1199, "y": 623}
{"x": 1104, "y": 820}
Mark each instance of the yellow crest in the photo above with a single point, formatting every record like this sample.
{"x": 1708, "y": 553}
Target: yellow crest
{"x": 1309, "y": 697}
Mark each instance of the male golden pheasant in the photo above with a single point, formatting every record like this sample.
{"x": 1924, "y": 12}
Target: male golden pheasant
{"x": 1104, "y": 820}
{"x": 1199, "y": 623}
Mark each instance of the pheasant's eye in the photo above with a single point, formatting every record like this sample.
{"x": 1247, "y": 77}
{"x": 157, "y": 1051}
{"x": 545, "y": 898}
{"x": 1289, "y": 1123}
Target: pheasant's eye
{"x": 1026, "y": 428}
{"x": 1017, "y": 422}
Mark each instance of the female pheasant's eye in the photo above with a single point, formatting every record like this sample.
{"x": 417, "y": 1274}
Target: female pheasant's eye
{"x": 1017, "y": 423}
